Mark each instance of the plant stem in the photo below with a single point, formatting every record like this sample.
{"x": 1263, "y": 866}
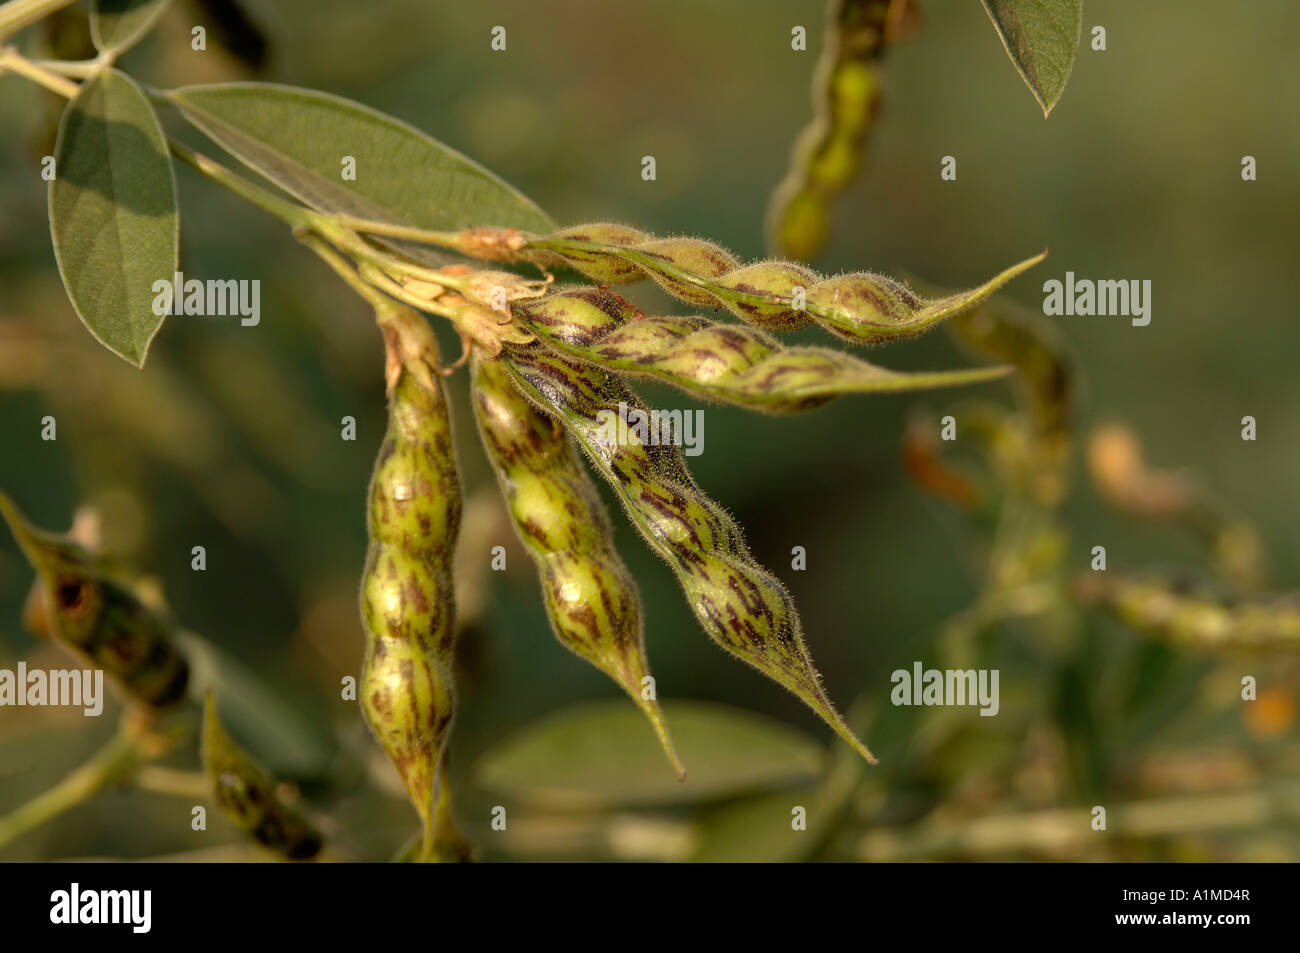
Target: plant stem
{"x": 162, "y": 780}
{"x": 290, "y": 213}
{"x": 294, "y": 215}
{"x": 112, "y": 762}
{"x": 15, "y": 62}
{"x": 77, "y": 69}
{"x": 1060, "y": 829}
{"x": 455, "y": 241}
{"x": 18, "y": 14}
{"x": 375, "y": 298}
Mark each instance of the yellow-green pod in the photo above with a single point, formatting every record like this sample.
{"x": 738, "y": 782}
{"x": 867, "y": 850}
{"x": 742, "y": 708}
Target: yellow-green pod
{"x": 742, "y": 606}
{"x": 590, "y": 596}
{"x": 245, "y": 793}
{"x": 862, "y": 308}
{"x": 407, "y": 588}
{"x": 846, "y": 97}
{"x": 99, "y": 618}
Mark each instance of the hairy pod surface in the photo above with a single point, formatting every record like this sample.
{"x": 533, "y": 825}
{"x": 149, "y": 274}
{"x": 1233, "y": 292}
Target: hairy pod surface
{"x": 407, "y": 588}
{"x": 591, "y": 598}
{"x": 100, "y": 619}
{"x": 741, "y": 606}
{"x": 727, "y": 362}
{"x": 846, "y": 97}
{"x": 862, "y": 308}
{"x": 246, "y": 794}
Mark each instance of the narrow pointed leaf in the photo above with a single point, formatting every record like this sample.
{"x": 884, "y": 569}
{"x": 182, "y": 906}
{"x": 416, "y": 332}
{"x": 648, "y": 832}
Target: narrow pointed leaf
{"x": 300, "y": 139}
{"x": 117, "y": 25}
{"x": 1042, "y": 39}
{"x": 113, "y": 212}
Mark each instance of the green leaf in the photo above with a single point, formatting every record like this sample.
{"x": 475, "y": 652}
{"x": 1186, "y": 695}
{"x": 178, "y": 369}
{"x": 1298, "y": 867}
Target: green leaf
{"x": 113, "y": 212}
{"x": 1042, "y": 38}
{"x": 759, "y": 829}
{"x": 118, "y": 25}
{"x": 299, "y": 138}
{"x": 602, "y": 753}
{"x": 284, "y": 740}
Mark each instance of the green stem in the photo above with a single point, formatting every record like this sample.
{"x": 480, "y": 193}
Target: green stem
{"x": 455, "y": 241}
{"x": 15, "y": 62}
{"x": 174, "y": 783}
{"x": 18, "y": 14}
{"x": 290, "y": 213}
{"x": 112, "y": 762}
{"x": 77, "y": 69}
{"x": 376, "y": 299}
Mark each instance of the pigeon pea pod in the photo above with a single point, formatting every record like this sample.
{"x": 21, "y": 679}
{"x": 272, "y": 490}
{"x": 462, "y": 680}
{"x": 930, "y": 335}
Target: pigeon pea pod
{"x": 246, "y": 794}
{"x": 100, "y": 618}
{"x": 740, "y": 604}
{"x": 407, "y": 588}
{"x": 591, "y": 598}
{"x": 862, "y": 308}
{"x": 726, "y": 362}
{"x": 846, "y": 95}
{"x": 1165, "y": 609}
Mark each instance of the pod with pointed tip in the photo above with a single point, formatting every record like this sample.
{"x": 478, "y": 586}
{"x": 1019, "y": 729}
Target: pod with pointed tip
{"x": 591, "y": 598}
{"x": 742, "y": 606}
{"x": 862, "y": 308}
{"x": 1170, "y": 610}
{"x": 727, "y": 362}
{"x": 407, "y": 589}
{"x": 99, "y": 618}
{"x": 245, "y": 793}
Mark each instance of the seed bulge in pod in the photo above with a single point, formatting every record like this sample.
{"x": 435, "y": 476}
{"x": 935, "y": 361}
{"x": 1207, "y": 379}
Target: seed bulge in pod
{"x": 598, "y": 265}
{"x": 693, "y": 256}
{"x": 774, "y": 281}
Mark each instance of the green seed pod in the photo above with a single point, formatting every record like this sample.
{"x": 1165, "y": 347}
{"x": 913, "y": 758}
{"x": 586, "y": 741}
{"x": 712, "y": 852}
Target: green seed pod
{"x": 861, "y": 308}
{"x": 99, "y": 618}
{"x": 246, "y": 794}
{"x": 725, "y": 362}
{"x": 407, "y": 587}
{"x": 1169, "y": 610}
{"x": 588, "y": 257}
{"x": 741, "y": 606}
{"x": 692, "y": 257}
{"x": 763, "y": 290}
{"x": 591, "y": 598}
{"x": 846, "y": 97}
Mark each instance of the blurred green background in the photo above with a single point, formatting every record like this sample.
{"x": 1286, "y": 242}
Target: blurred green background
{"x": 230, "y": 437}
